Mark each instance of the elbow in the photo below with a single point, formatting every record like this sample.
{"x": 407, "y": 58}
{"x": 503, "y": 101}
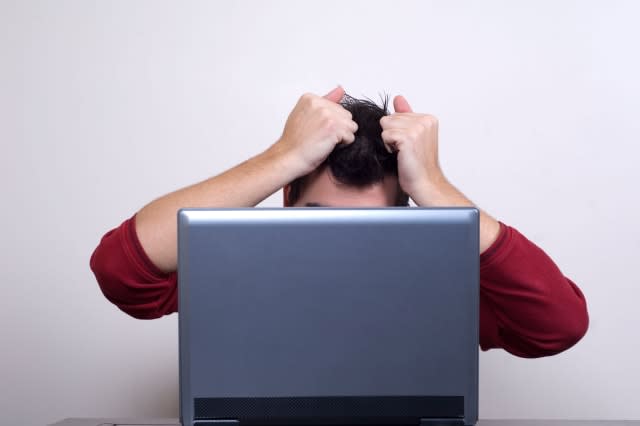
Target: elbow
{"x": 570, "y": 326}
{"x": 551, "y": 337}
{"x": 140, "y": 300}
{"x": 140, "y": 311}
{"x": 572, "y": 330}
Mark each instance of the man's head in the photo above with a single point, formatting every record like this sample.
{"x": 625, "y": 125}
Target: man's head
{"x": 360, "y": 174}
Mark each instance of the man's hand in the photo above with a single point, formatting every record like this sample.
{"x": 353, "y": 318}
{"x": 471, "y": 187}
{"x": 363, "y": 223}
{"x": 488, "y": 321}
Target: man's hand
{"x": 314, "y": 127}
{"x": 415, "y": 138}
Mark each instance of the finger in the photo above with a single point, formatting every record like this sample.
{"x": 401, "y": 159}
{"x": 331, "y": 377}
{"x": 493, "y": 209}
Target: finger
{"x": 391, "y": 139}
{"x": 335, "y": 95}
{"x": 347, "y": 137}
{"x": 353, "y": 126}
{"x": 341, "y": 111}
{"x": 348, "y": 132}
{"x": 395, "y": 121}
{"x": 390, "y": 147}
{"x": 388, "y": 141}
{"x": 400, "y": 104}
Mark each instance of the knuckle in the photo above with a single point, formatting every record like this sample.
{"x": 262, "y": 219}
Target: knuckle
{"x": 325, "y": 115}
{"x": 430, "y": 120}
{"x": 428, "y": 123}
{"x": 327, "y": 120}
{"x": 309, "y": 99}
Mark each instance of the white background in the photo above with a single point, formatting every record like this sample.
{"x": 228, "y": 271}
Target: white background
{"x": 107, "y": 105}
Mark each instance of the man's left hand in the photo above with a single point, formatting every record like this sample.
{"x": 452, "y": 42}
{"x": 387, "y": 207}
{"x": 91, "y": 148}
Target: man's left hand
{"x": 415, "y": 138}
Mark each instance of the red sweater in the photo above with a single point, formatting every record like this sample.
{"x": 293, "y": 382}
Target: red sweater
{"x": 527, "y": 306}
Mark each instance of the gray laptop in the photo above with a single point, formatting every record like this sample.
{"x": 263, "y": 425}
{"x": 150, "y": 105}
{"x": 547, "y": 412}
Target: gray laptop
{"x": 322, "y": 316}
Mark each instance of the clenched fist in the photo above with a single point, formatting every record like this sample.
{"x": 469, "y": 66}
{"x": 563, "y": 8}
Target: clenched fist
{"x": 314, "y": 127}
{"x": 415, "y": 138}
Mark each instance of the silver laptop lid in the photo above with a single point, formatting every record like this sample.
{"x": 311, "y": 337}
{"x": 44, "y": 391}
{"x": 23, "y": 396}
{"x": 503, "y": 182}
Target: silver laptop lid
{"x": 328, "y": 316}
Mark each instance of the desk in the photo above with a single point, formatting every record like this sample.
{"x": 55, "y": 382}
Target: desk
{"x": 174, "y": 422}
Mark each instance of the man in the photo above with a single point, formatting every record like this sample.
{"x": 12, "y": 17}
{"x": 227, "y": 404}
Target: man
{"x": 340, "y": 152}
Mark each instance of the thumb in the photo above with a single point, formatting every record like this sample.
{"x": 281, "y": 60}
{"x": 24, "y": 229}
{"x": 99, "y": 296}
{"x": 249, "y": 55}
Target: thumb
{"x": 400, "y": 104}
{"x": 335, "y": 95}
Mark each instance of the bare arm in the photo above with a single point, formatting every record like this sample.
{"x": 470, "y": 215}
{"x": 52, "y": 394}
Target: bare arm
{"x": 415, "y": 138}
{"x": 314, "y": 127}
{"x": 242, "y": 186}
{"x": 447, "y": 195}
{"x": 527, "y": 306}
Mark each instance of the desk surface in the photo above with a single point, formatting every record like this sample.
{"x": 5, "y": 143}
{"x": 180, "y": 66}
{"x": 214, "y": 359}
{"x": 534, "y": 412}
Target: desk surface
{"x": 174, "y": 422}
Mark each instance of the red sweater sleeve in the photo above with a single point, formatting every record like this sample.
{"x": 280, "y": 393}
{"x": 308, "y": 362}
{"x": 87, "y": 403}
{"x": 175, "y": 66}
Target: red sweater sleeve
{"x": 527, "y": 306}
{"x": 129, "y": 279}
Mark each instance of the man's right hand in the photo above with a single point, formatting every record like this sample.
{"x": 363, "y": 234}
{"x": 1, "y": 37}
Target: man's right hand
{"x": 314, "y": 127}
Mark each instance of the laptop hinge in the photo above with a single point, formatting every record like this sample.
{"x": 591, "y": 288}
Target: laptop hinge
{"x": 217, "y": 422}
{"x": 442, "y": 422}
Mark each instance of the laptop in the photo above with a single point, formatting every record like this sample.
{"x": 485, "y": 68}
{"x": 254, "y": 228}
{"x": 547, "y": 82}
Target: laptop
{"x": 326, "y": 316}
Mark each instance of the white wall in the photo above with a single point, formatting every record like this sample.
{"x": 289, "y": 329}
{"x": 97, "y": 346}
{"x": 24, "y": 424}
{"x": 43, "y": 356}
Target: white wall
{"x": 106, "y": 105}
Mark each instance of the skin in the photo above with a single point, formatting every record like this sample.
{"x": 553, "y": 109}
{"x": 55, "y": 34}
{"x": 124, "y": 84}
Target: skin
{"x": 321, "y": 189}
{"x": 314, "y": 127}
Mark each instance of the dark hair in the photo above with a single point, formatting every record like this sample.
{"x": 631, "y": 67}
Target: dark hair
{"x": 365, "y": 161}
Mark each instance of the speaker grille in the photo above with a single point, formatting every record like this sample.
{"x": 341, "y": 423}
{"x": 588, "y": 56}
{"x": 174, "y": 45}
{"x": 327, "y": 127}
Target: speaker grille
{"x": 330, "y": 410}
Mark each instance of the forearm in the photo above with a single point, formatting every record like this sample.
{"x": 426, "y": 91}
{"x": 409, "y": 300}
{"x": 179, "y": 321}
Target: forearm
{"x": 313, "y": 128}
{"x": 444, "y": 194}
{"x": 242, "y": 186}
